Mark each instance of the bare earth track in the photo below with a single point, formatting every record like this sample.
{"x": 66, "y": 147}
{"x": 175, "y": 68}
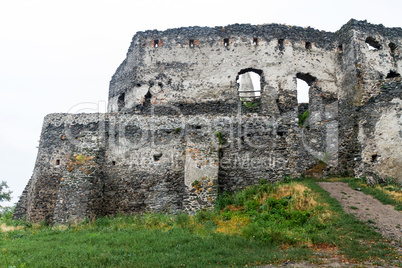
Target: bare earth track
{"x": 366, "y": 208}
{"x": 384, "y": 218}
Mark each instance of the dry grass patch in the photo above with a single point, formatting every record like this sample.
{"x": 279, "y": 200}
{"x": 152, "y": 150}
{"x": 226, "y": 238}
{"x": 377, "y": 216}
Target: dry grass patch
{"x": 302, "y": 196}
{"x": 235, "y": 208}
{"x": 327, "y": 216}
{"x": 392, "y": 191}
{"x": 324, "y": 246}
{"x": 5, "y": 228}
{"x": 232, "y": 226}
{"x": 60, "y": 227}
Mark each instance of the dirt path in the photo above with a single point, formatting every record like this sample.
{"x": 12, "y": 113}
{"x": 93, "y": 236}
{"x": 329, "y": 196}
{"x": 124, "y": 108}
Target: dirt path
{"x": 384, "y": 217}
{"x": 366, "y": 208}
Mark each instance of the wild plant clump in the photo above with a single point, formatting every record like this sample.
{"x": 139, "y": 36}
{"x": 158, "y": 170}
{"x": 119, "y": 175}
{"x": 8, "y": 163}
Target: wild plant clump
{"x": 275, "y": 213}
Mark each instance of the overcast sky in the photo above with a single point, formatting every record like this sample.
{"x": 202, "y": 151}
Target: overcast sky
{"x": 57, "y": 54}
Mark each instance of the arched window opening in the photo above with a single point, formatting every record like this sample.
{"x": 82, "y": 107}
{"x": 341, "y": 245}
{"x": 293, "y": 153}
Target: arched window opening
{"x": 156, "y": 43}
{"x": 372, "y": 44}
{"x": 393, "y": 74}
{"x": 249, "y": 81}
{"x": 302, "y": 91}
{"x": 191, "y": 43}
{"x": 121, "y": 102}
{"x": 308, "y": 45}
{"x": 147, "y": 99}
{"x": 249, "y": 90}
{"x": 255, "y": 41}
{"x": 304, "y": 82}
{"x": 306, "y": 77}
{"x": 226, "y": 42}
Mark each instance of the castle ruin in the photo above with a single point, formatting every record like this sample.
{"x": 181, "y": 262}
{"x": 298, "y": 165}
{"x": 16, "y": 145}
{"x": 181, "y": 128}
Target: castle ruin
{"x": 195, "y": 111}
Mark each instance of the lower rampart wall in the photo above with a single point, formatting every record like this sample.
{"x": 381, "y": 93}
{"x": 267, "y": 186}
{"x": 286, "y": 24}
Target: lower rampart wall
{"x": 101, "y": 164}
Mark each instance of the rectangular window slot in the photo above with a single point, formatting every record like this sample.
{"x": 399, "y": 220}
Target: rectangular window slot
{"x": 226, "y": 42}
{"x": 255, "y": 41}
{"x": 157, "y": 156}
{"x": 280, "y": 44}
{"x": 156, "y": 43}
{"x": 392, "y": 46}
{"x": 191, "y": 43}
{"x": 308, "y": 45}
{"x": 57, "y": 162}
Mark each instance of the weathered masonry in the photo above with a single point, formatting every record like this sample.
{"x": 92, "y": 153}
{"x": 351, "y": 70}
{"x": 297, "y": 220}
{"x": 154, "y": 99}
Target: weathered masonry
{"x": 194, "y": 111}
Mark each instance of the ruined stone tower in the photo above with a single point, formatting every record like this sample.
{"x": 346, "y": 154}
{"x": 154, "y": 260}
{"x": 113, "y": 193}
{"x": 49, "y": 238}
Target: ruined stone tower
{"x": 180, "y": 128}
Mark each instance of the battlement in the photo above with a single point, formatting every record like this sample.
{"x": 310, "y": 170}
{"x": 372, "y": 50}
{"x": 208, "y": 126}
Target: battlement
{"x": 197, "y": 68}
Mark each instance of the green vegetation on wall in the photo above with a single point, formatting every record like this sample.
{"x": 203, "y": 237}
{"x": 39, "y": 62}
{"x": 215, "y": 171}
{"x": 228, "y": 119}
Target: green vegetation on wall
{"x": 303, "y": 117}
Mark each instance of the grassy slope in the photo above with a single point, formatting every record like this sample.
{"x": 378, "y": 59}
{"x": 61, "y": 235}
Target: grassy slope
{"x": 261, "y": 224}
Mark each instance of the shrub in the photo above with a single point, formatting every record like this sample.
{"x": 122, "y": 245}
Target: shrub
{"x": 221, "y": 137}
{"x": 303, "y": 117}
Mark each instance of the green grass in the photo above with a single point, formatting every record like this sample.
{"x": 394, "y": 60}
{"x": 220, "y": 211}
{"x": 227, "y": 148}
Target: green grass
{"x": 99, "y": 247}
{"x": 267, "y": 223}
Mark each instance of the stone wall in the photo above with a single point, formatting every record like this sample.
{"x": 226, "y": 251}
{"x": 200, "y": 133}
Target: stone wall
{"x": 103, "y": 164}
{"x": 360, "y": 68}
{"x": 178, "y": 131}
{"x": 380, "y": 134}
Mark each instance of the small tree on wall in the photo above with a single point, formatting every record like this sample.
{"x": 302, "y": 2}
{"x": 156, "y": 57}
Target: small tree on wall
{"x": 4, "y": 195}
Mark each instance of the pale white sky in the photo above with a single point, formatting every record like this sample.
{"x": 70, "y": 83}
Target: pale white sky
{"x": 57, "y": 54}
